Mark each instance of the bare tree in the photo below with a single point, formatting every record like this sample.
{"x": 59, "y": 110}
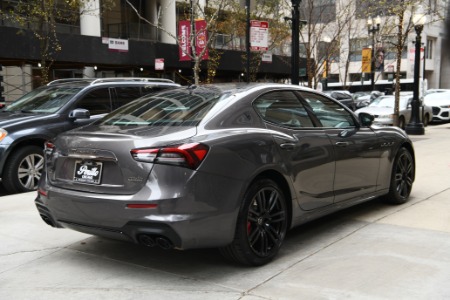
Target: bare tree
{"x": 322, "y": 34}
{"x": 210, "y": 14}
{"x": 274, "y": 12}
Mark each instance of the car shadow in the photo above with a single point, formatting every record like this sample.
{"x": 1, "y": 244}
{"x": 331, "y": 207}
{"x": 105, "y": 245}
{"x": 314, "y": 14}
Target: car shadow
{"x": 300, "y": 243}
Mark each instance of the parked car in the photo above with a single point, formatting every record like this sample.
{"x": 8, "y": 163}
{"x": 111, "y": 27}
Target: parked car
{"x": 224, "y": 166}
{"x": 440, "y": 104}
{"x": 40, "y": 115}
{"x": 432, "y": 91}
{"x": 344, "y": 97}
{"x": 363, "y": 99}
{"x": 382, "y": 108}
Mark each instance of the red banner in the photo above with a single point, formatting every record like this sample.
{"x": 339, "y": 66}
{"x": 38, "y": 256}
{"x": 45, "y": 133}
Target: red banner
{"x": 184, "y": 34}
{"x": 201, "y": 39}
{"x": 184, "y": 39}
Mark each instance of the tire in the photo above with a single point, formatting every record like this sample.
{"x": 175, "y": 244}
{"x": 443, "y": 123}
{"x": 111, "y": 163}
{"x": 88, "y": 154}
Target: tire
{"x": 261, "y": 226}
{"x": 23, "y": 169}
{"x": 402, "y": 178}
{"x": 426, "y": 120}
{"x": 401, "y": 123}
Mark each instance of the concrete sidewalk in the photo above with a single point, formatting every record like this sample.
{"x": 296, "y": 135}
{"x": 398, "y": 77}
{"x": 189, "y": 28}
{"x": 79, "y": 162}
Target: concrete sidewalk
{"x": 372, "y": 251}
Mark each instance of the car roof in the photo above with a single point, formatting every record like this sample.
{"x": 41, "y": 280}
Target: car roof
{"x": 236, "y": 87}
{"x": 84, "y": 82}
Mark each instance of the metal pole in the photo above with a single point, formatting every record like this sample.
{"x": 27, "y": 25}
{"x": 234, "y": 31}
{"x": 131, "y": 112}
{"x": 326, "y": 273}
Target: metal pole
{"x": 326, "y": 68}
{"x": 372, "y": 29}
{"x": 295, "y": 41}
{"x": 424, "y": 60}
{"x": 415, "y": 126}
{"x": 372, "y": 63}
{"x": 247, "y": 42}
{"x": 192, "y": 38}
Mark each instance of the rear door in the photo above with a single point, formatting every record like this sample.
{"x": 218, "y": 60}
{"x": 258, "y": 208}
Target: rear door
{"x": 306, "y": 151}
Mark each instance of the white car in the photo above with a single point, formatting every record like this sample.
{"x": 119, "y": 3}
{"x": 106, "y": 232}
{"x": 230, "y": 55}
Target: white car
{"x": 382, "y": 109}
{"x": 432, "y": 91}
{"x": 440, "y": 104}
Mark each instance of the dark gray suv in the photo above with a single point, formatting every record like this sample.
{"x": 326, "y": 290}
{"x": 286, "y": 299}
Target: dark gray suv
{"x": 64, "y": 104}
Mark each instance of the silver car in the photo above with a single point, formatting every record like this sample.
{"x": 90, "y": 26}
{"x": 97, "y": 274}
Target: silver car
{"x": 382, "y": 108}
{"x": 232, "y": 167}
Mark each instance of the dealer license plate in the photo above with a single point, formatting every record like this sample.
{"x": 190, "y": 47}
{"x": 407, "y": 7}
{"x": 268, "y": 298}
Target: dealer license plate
{"x": 88, "y": 172}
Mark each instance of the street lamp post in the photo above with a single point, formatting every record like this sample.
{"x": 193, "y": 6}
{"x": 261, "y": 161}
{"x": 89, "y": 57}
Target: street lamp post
{"x": 296, "y": 24}
{"x": 415, "y": 125}
{"x": 247, "y": 41}
{"x": 295, "y": 42}
{"x": 372, "y": 29}
{"x": 327, "y": 42}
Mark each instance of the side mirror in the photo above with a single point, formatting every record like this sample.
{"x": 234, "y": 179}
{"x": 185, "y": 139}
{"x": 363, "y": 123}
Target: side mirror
{"x": 366, "y": 119}
{"x": 79, "y": 113}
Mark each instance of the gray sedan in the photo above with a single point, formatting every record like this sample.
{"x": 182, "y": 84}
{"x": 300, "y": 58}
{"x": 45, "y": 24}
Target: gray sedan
{"x": 231, "y": 167}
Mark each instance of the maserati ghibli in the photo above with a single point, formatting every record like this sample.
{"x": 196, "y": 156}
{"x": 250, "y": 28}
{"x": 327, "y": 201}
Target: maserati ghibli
{"x": 228, "y": 166}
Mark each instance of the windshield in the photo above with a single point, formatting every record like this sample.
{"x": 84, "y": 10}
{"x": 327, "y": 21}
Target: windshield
{"x": 180, "y": 107}
{"x": 388, "y": 102}
{"x": 43, "y": 100}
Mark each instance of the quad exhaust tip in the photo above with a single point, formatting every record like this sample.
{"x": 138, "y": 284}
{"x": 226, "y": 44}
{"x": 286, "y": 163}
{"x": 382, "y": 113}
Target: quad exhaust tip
{"x": 155, "y": 240}
{"x": 47, "y": 220}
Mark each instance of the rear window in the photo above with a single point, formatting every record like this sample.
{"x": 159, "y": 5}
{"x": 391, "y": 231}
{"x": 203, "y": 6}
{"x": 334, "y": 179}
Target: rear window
{"x": 179, "y": 107}
{"x": 43, "y": 100}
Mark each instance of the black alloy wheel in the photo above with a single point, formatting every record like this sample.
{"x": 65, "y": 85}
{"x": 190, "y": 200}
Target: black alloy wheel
{"x": 402, "y": 177}
{"x": 262, "y": 225}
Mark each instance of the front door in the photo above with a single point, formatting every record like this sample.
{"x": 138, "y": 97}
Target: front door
{"x": 356, "y": 150}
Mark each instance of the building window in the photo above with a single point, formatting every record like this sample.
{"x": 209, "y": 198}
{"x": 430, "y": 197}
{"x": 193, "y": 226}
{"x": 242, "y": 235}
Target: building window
{"x": 356, "y": 46}
{"x": 321, "y": 11}
{"x": 429, "y": 49}
{"x": 373, "y": 8}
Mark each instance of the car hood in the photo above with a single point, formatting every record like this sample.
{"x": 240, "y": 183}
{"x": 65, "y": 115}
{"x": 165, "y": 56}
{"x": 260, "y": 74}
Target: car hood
{"x": 437, "y": 102}
{"x": 376, "y": 110}
{"x": 16, "y": 118}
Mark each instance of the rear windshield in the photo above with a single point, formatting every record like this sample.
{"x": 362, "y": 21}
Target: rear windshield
{"x": 43, "y": 100}
{"x": 179, "y": 107}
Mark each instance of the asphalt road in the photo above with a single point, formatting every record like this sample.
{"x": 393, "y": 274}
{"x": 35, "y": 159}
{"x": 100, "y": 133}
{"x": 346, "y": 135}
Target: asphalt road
{"x": 371, "y": 251}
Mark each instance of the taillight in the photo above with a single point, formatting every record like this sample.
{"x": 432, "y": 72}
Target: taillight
{"x": 187, "y": 155}
{"x": 49, "y": 147}
{"x": 42, "y": 192}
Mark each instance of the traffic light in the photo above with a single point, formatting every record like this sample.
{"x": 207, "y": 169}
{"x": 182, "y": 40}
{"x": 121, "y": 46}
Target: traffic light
{"x": 2, "y": 99}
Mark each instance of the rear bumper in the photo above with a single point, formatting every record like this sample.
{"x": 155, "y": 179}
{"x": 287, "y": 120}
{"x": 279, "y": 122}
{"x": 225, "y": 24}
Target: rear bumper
{"x": 187, "y": 222}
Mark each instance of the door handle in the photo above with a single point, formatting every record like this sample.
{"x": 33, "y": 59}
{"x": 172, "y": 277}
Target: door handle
{"x": 287, "y": 146}
{"x": 342, "y": 144}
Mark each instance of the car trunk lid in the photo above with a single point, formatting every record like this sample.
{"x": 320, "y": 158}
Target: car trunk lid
{"x": 100, "y": 161}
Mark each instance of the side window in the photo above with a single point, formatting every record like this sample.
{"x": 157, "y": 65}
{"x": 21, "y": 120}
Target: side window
{"x": 283, "y": 108}
{"x": 126, "y": 94}
{"x": 97, "y": 101}
{"x": 329, "y": 113}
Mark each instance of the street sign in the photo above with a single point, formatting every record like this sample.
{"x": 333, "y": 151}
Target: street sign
{"x": 259, "y": 35}
{"x": 267, "y": 57}
{"x": 159, "y": 64}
